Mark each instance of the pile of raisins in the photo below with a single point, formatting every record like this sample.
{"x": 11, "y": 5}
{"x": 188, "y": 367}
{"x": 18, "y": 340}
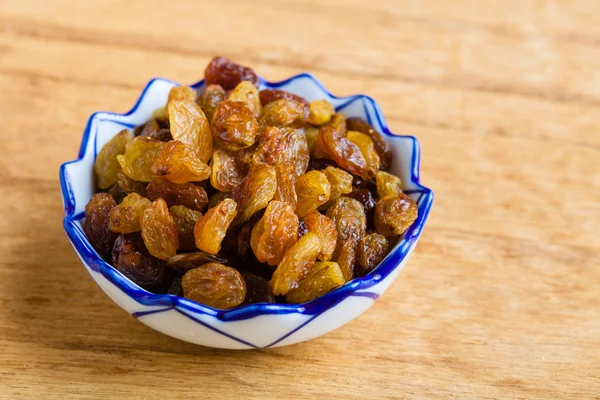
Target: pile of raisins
{"x": 237, "y": 196}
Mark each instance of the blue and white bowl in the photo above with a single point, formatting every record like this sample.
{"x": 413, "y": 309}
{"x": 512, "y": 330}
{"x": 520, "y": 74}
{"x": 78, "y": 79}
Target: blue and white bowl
{"x": 256, "y": 325}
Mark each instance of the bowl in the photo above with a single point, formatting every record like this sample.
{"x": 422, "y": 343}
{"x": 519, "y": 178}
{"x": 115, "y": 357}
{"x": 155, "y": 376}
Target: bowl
{"x": 257, "y": 325}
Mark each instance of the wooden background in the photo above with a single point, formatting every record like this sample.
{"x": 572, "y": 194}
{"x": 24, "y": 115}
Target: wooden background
{"x": 501, "y": 298}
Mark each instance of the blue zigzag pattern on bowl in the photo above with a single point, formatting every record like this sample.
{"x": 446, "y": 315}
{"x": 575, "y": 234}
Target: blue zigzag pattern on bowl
{"x": 314, "y": 308}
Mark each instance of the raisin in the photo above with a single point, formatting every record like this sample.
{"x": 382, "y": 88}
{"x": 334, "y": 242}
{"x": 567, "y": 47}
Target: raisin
{"x": 322, "y": 278}
{"x": 270, "y": 95}
{"x": 320, "y": 164}
{"x": 340, "y": 180}
{"x": 366, "y": 199}
{"x": 106, "y": 165}
{"x": 275, "y": 233}
{"x": 257, "y": 289}
{"x": 365, "y": 144}
{"x": 283, "y": 112}
{"x": 186, "y": 194}
{"x": 185, "y": 220}
{"x": 128, "y": 185}
{"x": 159, "y": 230}
{"x": 96, "y": 223}
{"x": 181, "y": 93}
{"x": 218, "y": 197}
{"x": 372, "y": 250}
{"x": 214, "y": 285}
{"x": 269, "y": 147}
{"x": 296, "y": 149}
{"x": 138, "y": 158}
{"x": 302, "y": 229}
{"x": 210, "y": 99}
{"x": 228, "y": 74}
{"x": 338, "y": 122}
{"x": 175, "y": 287}
{"x": 345, "y": 255}
{"x": 358, "y": 182}
{"x": 130, "y": 257}
{"x": 381, "y": 145}
{"x": 190, "y": 126}
{"x": 150, "y": 128}
{"x": 286, "y": 184}
{"x": 177, "y": 163}
{"x": 212, "y": 226}
{"x": 182, "y": 263}
{"x": 234, "y": 127}
{"x": 321, "y": 112}
{"x": 313, "y": 189}
{"x": 255, "y": 192}
{"x": 311, "y": 133}
{"x": 247, "y": 93}
{"x": 348, "y": 215}
{"x": 117, "y": 193}
{"x": 333, "y": 145}
{"x": 125, "y": 218}
{"x": 395, "y": 214}
{"x": 226, "y": 173}
{"x": 324, "y": 227}
{"x": 296, "y": 264}
{"x": 387, "y": 185}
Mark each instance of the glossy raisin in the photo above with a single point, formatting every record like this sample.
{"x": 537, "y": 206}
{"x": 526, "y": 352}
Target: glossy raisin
{"x": 125, "y": 217}
{"x": 338, "y": 122}
{"x": 221, "y": 71}
{"x": 331, "y": 144}
{"x": 295, "y": 150}
{"x": 185, "y": 220}
{"x": 340, "y": 180}
{"x": 226, "y": 173}
{"x": 345, "y": 256}
{"x": 283, "y": 112}
{"x": 395, "y": 214}
{"x": 186, "y": 194}
{"x": 181, "y": 93}
{"x": 255, "y": 192}
{"x": 182, "y": 263}
{"x": 324, "y": 227}
{"x": 268, "y": 149}
{"x": 218, "y": 197}
{"x": 286, "y": 184}
{"x": 130, "y": 257}
{"x": 96, "y": 224}
{"x": 247, "y": 93}
{"x": 178, "y": 163}
{"x": 210, "y": 99}
{"x": 175, "y": 287}
{"x": 234, "y": 127}
{"x": 387, "y": 185}
{"x": 117, "y": 193}
{"x": 321, "y": 112}
{"x": 214, "y": 285}
{"x": 311, "y": 133}
{"x": 365, "y": 144}
{"x": 381, "y": 145}
{"x": 190, "y": 126}
{"x": 349, "y": 217}
{"x": 274, "y": 233}
{"x": 322, "y": 278}
{"x": 128, "y": 185}
{"x": 212, "y": 226}
{"x": 372, "y": 250}
{"x": 296, "y": 264}
{"x": 313, "y": 189}
{"x": 270, "y": 95}
{"x": 138, "y": 158}
{"x": 257, "y": 289}
{"x": 159, "y": 230}
{"x": 106, "y": 165}
{"x": 366, "y": 199}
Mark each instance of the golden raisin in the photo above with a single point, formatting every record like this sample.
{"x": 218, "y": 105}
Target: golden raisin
{"x": 185, "y": 194}
{"x": 177, "y": 163}
{"x": 322, "y": 278}
{"x": 372, "y": 250}
{"x": 210, "y": 99}
{"x": 387, "y": 184}
{"x": 106, "y": 165}
{"x": 296, "y": 264}
{"x": 295, "y": 150}
{"x": 311, "y": 133}
{"x": 96, "y": 223}
{"x": 212, "y": 226}
{"x": 341, "y": 182}
{"x": 286, "y": 184}
{"x": 138, "y": 158}
{"x": 381, "y": 145}
{"x": 222, "y": 71}
{"x": 131, "y": 258}
{"x": 349, "y": 218}
{"x": 274, "y": 233}
{"x": 321, "y": 112}
{"x": 255, "y": 192}
{"x": 268, "y": 148}
{"x": 338, "y": 122}
{"x": 324, "y": 227}
{"x": 185, "y": 220}
{"x": 332, "y": 145}
{"x": 313, "y": 189}
{"x": 128, "y": 185}
{"x": 345, "y": 255}
{"x": 181, "y": 93}
{"x": 159, "y": 230}
{"x": 234, "y": 127}
{"x": 214, "y": 285}
{"x": 226, "y": 173}
{"x": 365, "y": 144}
{"x": 190, "y": 126}
{"x": 395, "y": 214}
{"x": 125, "y": 217}
{"x": 283, "y": 112}
{"x": 247, "y": 93}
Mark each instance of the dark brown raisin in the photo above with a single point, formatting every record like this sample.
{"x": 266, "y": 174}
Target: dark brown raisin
{"x": 130, "y": 257}
{"x": 257, "y": 289}
{"x": 382, "y": 147}
{"x": 97, "y": 222}
{"x": 366, "y": 199}
{"x": 221, "y": 71}
{"x": 269, "y": 95}
{"x": 182, "y": 263}
{"x": 187, "y": 194}
{"x": 175, "y": 287}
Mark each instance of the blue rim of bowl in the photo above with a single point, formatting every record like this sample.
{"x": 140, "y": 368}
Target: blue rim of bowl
{"x": 357, "y": 287}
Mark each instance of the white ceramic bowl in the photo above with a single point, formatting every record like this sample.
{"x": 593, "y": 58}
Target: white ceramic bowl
{"x": 256, "y": 325}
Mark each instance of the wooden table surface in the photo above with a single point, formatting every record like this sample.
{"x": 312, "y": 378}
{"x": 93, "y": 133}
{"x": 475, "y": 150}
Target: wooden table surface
{"x": 501, "y": 298}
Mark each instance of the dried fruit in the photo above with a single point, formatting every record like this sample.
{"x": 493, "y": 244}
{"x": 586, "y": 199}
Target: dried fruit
{"x": 340, "y": 180}
{"x": 274, "y": 233}
{"x": 366, "y": 199}
{"x": 381, "y": 145}
{"x": 348, "y": 215}
{"x": 247, "y": 93}
{"x": 210, "y": 99}
{"x": 234, "y": 127}
{"x": 106, "y": 165}
{"x": 302, "y": 229}
{"x": 387, "y": 185}
{"x": 226, "y": 173}
{"x": 313, "y": 189}
{"x": 159, "y": 230}
{"x": 228, "y": 74}
{"x": 186, "y": 194}
{"x": 177, "y": 163}
{"x": 321, "y": 112}
{"x": 175, "y": 287}
{"x": 372, "y": 250}
{"x": 185, "y": 220}
{"x": 212, "y": 226}
{"x": 345, "y": 255}
{"x": 255, "y": 192}
{"x": 181, "y": 93}
{"x": 286, "y": 184}
{"x": 214, "y": 285}
{"x": 311, "y": 133}
{"x": 130, "y": 257}
{"x": 182, "y": 263}
{"x": 116, "y": 193}
{"x": 365, "y": 144}
{"x": 296, "y": 149}
{"x": 190, "y": 126}
{"x": 268, "y": 148}
{"x": 395, "y": 214}
{"x": 283, "y": 112}
{"x": 338, "y": 122}
{"x": 296, "y": 264}
{"x": 128, "y": 185}
{"x": 257, "y": 289}
{"x": 96, "y": 223}
{"x": 218, "y": 197}
{"x": 125, "y": 218}
{"x": 324, "y": 227}
{"x": 138, "y": 158}
{"x": 331, "y": 144}
{"x": 322, "y": 278}
{"x": 269, "y": 95}
{"x": 320, "y": 164}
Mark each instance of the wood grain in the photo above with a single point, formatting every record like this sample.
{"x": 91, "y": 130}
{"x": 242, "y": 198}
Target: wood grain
{"x": 501, "y": 299}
